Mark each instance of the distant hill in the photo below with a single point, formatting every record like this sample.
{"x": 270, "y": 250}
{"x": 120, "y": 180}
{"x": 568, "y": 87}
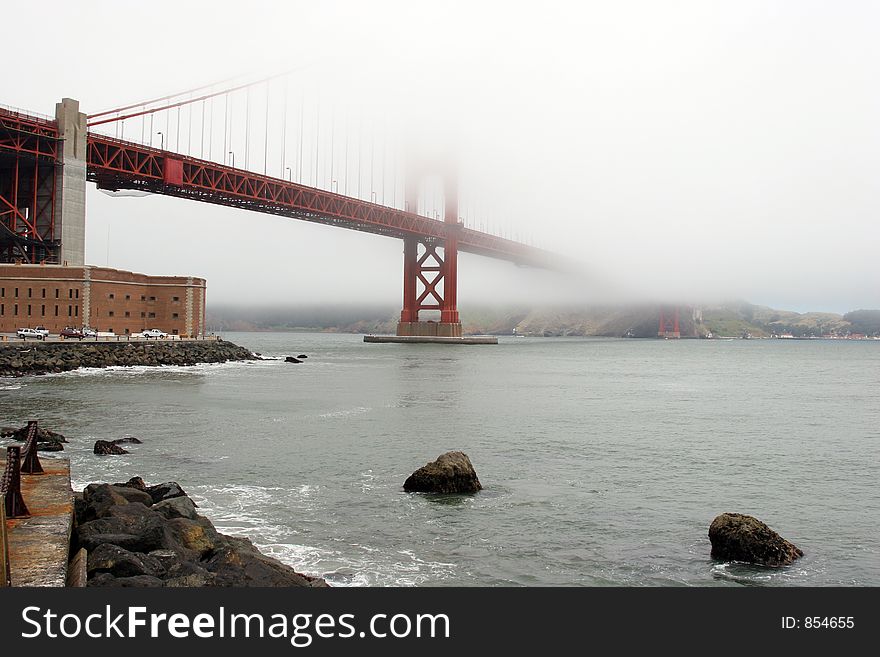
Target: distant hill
{"x": 864, "y": 321}
{"x": 735, "y": 319}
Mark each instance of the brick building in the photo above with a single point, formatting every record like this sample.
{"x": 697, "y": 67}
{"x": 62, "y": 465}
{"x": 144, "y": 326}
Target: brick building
{"x": 100, "y": 298}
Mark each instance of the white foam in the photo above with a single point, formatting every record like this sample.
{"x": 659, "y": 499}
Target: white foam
{"x": 357, "y": 410}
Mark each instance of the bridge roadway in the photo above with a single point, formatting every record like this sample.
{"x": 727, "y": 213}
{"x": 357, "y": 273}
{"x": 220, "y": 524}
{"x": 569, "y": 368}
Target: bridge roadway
{"x": 39, "y": 545}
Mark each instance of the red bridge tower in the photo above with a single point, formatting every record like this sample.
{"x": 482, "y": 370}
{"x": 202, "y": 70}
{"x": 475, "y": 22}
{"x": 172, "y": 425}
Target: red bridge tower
{"x": 430, "y": 278}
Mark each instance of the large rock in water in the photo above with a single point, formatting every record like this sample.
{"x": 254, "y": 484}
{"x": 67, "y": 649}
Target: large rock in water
{"x": 452, "y": 472}
{"x": 738, "y": 537}
{"x": 103, "y": 448}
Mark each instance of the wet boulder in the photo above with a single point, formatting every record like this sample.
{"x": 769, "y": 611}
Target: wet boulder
{"x": 136, "y": 581}
{"x": 131, "y": 526}
{"x": 738, "y": 537}
{"x": 119, "y": 562}
{"x": 176, "y": 507}
{"x": 452, "y": 472}
{"x": 104, "y": 448}
{"x": 134, "y": 482}
{"x": 165, "y": 491}
{"x": 130, "y": 440}
{"x": 197, "y": 536}
{"x": 132, "y": 494}
{"x": 237, "y": 562}
{"x": 97, "y": 499}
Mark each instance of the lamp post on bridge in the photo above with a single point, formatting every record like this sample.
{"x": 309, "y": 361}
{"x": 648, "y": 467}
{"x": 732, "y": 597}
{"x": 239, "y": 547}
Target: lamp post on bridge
{"x": 233, "y": 158}
{"x": 333, "y": 182}
{"x": 162, "y": 140}
{"x": 289, "y": 173}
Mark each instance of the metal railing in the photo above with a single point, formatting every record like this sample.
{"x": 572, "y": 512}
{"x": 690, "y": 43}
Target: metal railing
{"x": 11, "y": 484}
{"x": 5, "y": 570}
{"x": 30, "y": 464}
{"x": 11, "y": 500}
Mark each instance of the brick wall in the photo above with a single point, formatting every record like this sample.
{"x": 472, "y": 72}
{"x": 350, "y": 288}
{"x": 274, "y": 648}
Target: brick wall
{"x": 111, "y": 299}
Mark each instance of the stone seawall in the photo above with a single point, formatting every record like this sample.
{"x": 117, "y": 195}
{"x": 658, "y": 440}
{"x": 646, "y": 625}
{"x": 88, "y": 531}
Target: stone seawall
{"x": 21, "y": 359}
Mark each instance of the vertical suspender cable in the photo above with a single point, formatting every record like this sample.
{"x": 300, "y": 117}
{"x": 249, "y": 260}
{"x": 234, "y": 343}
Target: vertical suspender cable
{"x": 347, "y": 122}
{"x": 284, "y": 130}
{"x": 247, "y": 127}
{"x": 202, "y": 143}
{"x": 317, "y": 136}
{"x": 211, "y": 129}
{"x": 266, "y": 133}
{"x": 384, "y": 134}
{"x": 302, "y": 111}
{"x": 332, "y": 127}
{"x": 225, "y": 127}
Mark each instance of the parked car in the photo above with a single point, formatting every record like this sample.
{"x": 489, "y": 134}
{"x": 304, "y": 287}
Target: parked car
{"x": 72, "y": 333}
{"x": 43, "y": 330}
{"x": 25, "y": 333}
{"x": 89, "y": 332}
{"x": 154, "y": 333}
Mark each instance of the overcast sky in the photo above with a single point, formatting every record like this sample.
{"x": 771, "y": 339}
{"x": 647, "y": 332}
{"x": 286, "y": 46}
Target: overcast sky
{"x": 693, "y": 150}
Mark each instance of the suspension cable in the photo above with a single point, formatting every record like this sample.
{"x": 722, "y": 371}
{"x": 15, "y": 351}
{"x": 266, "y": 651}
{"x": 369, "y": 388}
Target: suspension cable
{"x": 187, "y": 101}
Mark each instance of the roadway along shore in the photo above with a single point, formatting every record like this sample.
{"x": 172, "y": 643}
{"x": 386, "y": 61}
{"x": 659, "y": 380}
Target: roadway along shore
{"x": 40, "y": 357}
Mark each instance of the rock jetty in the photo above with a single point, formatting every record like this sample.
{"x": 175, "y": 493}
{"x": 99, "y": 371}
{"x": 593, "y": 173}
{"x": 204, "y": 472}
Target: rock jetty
{"x": 452, "y": 472}
{"x": 738, "y": 537}
{"x": 145, "y": 536}
{"x": 18, "y": 359}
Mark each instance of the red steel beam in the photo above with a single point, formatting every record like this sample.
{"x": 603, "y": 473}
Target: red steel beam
{"x": 118, "y": 164}
{"x": 30, "y": 149}
{"x": 21, "y": 133}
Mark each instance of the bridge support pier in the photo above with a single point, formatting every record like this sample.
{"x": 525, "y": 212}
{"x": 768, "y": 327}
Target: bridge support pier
{"x": 71, "y": 187}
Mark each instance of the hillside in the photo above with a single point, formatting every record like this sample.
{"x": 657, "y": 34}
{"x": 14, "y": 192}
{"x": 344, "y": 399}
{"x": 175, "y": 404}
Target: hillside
{"x": 737, "y": 319}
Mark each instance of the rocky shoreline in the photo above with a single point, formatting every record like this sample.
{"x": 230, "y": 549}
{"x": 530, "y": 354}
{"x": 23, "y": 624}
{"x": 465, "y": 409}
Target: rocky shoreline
{"x": 35, "y": 358}
{"x": 150, "y": 536}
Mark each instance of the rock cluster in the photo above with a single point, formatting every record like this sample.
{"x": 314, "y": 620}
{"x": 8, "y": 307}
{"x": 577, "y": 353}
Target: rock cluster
{"x": 46, "y": 357}
{"x": 738, "y": 537}
{"x": 452, "y": 472}
{"x": 47, "y": 441}
{"x": 139, "y": 535}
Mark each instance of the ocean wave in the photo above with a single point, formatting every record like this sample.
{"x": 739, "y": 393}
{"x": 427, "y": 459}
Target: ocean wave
{"x": 357, "y": 410}
{"x": 140, "y": 370}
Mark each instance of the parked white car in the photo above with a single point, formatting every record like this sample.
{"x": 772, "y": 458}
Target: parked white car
{"x": 89, "y": 332}
{"x": 153, "y": 333}
{"x": 26, "y": 333}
